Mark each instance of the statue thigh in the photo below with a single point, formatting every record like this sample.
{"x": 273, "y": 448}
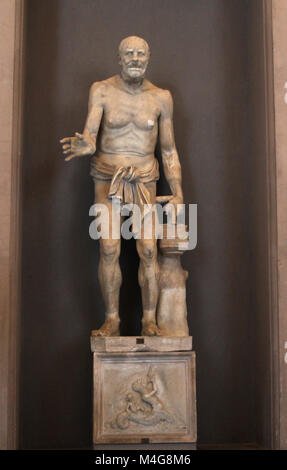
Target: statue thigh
{"x": 110, "y": 246}
{"x": 147, "y": 247}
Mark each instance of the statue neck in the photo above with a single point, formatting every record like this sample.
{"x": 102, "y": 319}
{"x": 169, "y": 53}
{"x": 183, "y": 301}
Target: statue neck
{"x": 132, "y": 85}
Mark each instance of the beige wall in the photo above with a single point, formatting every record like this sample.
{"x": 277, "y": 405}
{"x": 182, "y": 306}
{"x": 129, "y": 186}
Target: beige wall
{"x": 11, "y": 15}
{"x": 280, "y": 85}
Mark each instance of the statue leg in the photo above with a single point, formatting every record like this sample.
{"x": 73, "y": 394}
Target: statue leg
{"x": 149, "y": 273}
{"x": 110, "y": 277}
{"x": 148, "y": 280}
{"x": 110, "y": 281}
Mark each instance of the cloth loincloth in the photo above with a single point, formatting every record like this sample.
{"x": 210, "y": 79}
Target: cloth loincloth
{"x": 128, "y": 184}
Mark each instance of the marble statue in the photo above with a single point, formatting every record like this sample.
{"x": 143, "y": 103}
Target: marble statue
{"x": 127, "y": 115}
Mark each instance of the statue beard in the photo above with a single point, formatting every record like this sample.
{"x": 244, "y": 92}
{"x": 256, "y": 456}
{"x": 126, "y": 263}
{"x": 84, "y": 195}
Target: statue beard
{"x": 133, "y": 80}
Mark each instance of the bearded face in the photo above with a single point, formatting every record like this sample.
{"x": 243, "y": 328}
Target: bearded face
{"x": 133, "y": 57}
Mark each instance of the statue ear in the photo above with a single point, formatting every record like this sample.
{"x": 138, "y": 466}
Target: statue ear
{"x": 119, "y": 59}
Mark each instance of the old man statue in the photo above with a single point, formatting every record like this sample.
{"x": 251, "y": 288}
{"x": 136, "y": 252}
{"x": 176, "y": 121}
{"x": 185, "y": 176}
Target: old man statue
{"x": 126, "y": 116}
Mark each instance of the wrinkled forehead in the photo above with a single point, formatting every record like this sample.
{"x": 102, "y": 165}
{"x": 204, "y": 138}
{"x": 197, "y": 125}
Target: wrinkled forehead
{"x": 133, "y": 43}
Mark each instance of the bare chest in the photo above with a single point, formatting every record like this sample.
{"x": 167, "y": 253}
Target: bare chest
{"x": 122, "y": 110}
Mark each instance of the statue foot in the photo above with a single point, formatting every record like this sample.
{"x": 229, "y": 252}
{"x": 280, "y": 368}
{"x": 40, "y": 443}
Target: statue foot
{"x": 150, "y": 329}
{"x": 109, "y": 328}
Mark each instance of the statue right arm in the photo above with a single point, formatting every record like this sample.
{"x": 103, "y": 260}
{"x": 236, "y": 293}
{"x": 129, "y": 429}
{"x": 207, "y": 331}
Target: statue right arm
{"x": 95, "y": 113}
{"x": 85, "y": 144}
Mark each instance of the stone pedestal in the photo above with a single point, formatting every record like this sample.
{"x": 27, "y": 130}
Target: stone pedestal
{"x": 144, "y": 390}
{"x": 171, "y": 309}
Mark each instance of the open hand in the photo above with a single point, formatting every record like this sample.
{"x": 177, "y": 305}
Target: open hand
{"x": 77, "y": 146}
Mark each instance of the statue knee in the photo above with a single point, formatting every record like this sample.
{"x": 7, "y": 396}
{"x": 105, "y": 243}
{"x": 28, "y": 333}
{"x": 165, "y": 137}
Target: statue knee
{"x": 147, "y": 251}
{"x": 110, "y": 250}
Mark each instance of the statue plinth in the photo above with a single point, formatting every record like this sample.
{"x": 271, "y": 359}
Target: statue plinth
{"x": 144, "y": 390}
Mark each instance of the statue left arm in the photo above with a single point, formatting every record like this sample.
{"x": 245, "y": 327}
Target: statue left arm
{"x": 171, "y": 164}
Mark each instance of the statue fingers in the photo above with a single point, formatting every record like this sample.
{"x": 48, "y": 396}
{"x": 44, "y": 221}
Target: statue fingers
{"x": 72, "y": 155}
{"x": 179, "y": 210}
{"x": 171, "y": 213}
{"x": 66, "y": 140}
{"x": 68, "y": 150}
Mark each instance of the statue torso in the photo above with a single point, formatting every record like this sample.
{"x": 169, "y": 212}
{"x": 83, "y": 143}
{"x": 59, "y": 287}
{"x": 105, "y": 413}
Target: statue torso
{"x": 130, "y": 120}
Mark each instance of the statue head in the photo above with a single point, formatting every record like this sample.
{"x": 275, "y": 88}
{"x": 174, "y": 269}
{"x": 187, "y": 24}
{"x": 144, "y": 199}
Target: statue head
{"x": 134, "y": 56}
